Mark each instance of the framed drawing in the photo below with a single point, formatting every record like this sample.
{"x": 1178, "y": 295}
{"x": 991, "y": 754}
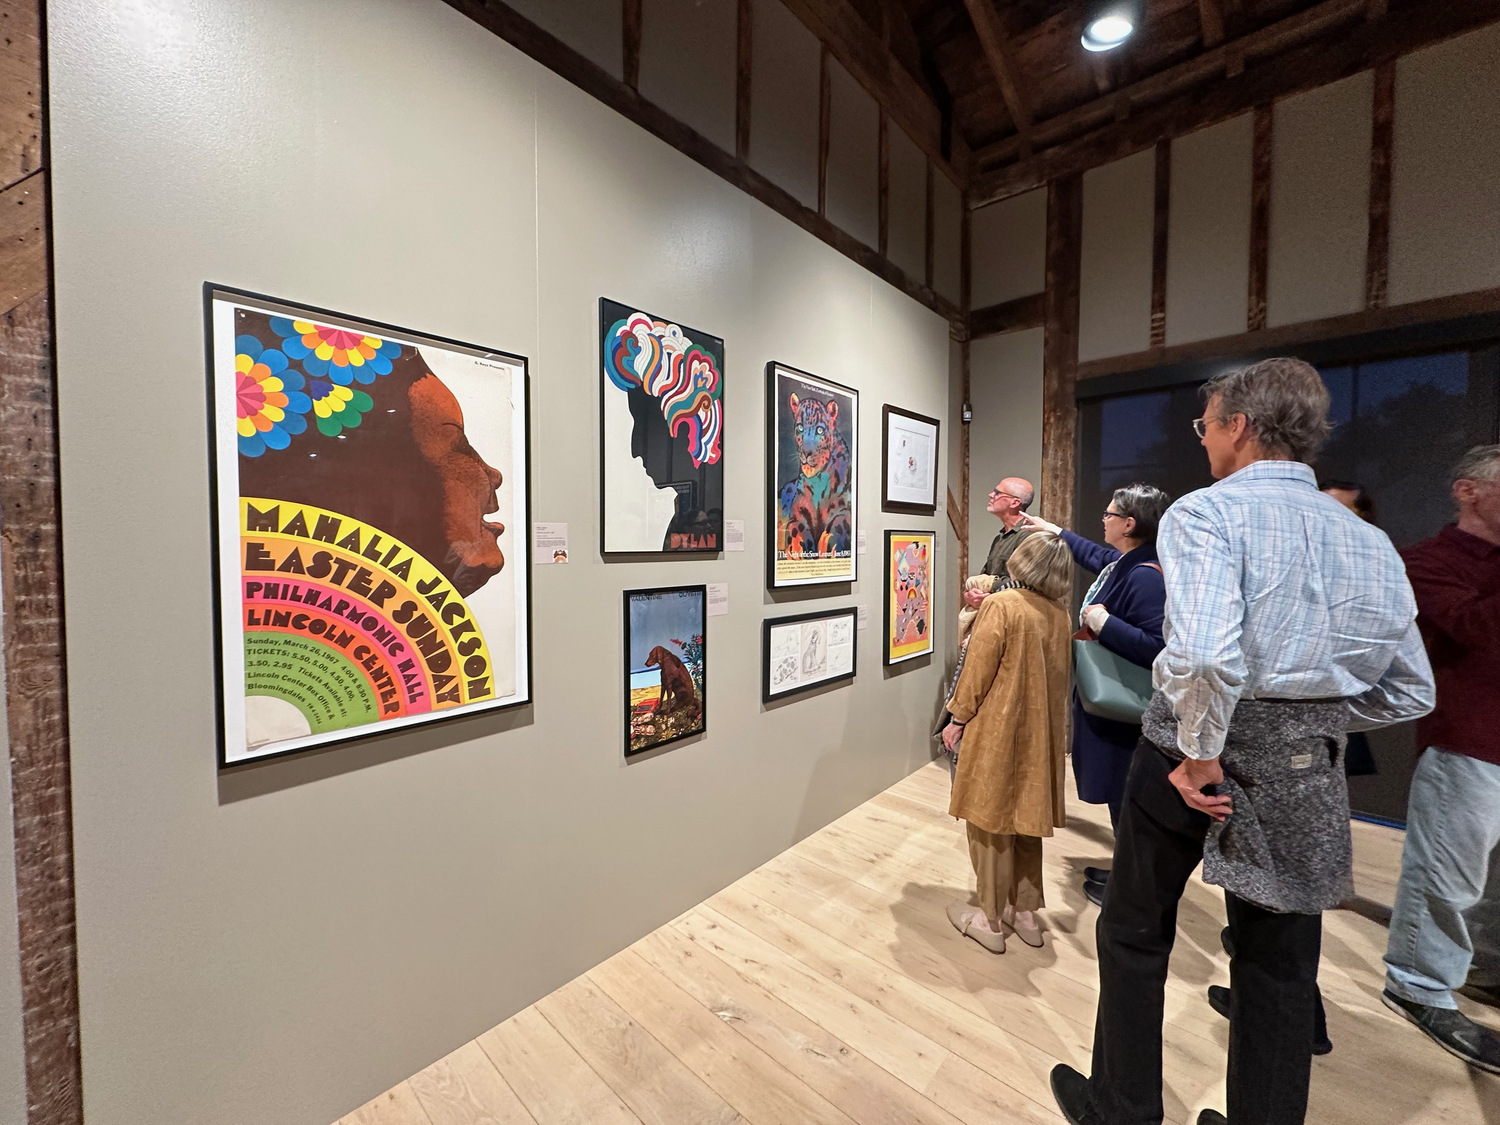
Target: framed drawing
{"x": 371, "y": 523}
{"x": 812, "y": 457}
{"x": 807, "y": 651}
{"x": 909, "y": 461}
{"x": 908, "y": 594}
{"x": 661, "y": 412}
{"x": 666, "y": 665}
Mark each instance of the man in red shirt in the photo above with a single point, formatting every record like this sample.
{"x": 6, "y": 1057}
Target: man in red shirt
{"x": 1445, "y": 929}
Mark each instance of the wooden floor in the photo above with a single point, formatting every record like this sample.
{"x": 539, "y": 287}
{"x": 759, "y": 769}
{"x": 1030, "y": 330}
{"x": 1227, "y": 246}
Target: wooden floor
{"x": 828, "y": 986}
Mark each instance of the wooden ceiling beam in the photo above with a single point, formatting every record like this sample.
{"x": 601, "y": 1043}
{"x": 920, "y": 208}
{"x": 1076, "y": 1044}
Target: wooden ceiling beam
{"x": 1212, "y": 22}
{"x": 1299, "y": 56}
{"x": 858, "y": 48}
{"x": 997, "y": 52}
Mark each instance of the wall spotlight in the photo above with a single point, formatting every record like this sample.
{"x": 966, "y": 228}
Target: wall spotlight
{"x": 1109, "y": 23}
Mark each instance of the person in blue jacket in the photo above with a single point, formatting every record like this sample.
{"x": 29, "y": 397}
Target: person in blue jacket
{"x": 1124, "y": 609}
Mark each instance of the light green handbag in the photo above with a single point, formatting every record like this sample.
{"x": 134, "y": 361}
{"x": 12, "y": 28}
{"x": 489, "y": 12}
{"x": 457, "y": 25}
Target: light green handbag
{"x": 1109, "y": 686}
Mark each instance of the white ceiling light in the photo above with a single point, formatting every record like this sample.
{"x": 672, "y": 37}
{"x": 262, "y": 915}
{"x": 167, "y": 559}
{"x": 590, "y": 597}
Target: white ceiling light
{"x": 1108, "y": 25}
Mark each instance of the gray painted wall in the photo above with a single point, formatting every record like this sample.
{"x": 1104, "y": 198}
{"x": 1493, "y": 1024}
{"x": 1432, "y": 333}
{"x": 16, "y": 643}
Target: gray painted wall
{"x": 283, "y": 943}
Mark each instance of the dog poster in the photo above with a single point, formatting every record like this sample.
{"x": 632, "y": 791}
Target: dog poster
{"x": 666, "y": 661}
{"x": 908, "y": 594}
{"x": 371, "y": 526}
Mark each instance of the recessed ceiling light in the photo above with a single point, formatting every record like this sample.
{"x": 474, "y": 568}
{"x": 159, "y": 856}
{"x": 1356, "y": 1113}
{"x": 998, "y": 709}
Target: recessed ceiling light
{"x": 1107, "y": 33}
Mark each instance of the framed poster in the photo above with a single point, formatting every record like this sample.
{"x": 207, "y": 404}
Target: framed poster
{"x": 807, "y": 651}
{"x": 908, "y": 594}
{"x": 661, "y": 414}
{"x": 371, "y": 526}
{"x": 812, "y": 456}
{"x": 909, "y": 461}
{"x": 666, "y": 665}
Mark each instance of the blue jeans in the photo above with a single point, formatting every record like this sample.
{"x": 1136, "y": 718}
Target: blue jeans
{"x": 1445, "y": 928}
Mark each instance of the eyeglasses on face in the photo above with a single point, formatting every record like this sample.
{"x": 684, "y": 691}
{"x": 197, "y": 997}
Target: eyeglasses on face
{"x": 1116, "y": 515}
{"x": 1200, "y": 426}
{"x": 997, "y": 493}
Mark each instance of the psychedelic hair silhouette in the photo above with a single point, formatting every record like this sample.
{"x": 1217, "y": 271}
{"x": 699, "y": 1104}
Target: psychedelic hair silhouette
{"x": 655, "y": 357}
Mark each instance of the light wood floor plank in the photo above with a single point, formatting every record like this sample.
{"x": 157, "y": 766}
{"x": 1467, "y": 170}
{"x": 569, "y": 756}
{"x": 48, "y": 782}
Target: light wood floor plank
{"x": 464, "y": 1088}
{"x": 552, "y": 1080}
{"x": 648, "y": 1078}
{"x": 397, "y": 1106}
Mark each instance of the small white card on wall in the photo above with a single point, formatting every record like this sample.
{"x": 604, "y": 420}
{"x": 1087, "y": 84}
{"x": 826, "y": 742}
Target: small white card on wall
{"x": 863, "y": 544}
{"x": 718, "y": 599}
{"x": 734, "y": 535}
{"x": 864, "y": 617}
{"x": 549, "y": 543}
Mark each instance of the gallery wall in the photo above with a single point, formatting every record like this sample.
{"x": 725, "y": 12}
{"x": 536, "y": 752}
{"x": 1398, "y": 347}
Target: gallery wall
{"x": 281, "y": 942}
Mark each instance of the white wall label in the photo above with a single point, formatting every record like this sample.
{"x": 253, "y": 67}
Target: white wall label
{"x": 863, "y": 544}
{"x": 864, "y": 617}
{"x": 718, "y": 599}
{"x": 734, "y": 535}
{"x": 549, "y": 543}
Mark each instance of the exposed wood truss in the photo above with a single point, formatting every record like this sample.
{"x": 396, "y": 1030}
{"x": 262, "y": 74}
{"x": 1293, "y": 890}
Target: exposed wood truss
{"x": 997, "y": 50}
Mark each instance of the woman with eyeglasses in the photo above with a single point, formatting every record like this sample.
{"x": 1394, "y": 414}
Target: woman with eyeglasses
{"x": 1123, "y": 609}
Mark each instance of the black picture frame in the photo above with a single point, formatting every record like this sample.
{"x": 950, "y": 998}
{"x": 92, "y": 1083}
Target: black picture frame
{"x": 888, "y": 658}
{"x": 214, "y": 401}
{"x": 705, "y": 485}
{"x": 701, "y": 591}
{"x": 906, "y": 506}
{"x": 847, "y": 613}
{"x": 775, "y": 372}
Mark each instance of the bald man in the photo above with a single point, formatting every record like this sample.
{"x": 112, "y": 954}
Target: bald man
{"x": 1008, "y": 503}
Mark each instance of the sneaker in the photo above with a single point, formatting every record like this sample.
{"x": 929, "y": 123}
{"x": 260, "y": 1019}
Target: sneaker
{"x": 1071, "y": 1090}
{"x": 1218, "y": 1000}
{"x": 1478, "y": 992}
{"x": 1094, "y": 892}
{"x": 1451, "y": 1030}
{"x": 1096, "y": 874}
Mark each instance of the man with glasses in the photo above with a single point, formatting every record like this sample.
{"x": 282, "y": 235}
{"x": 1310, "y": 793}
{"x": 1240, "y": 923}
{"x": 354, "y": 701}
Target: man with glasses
{"x": 1289, "y": 621}
{"x": 1008, "y": 502}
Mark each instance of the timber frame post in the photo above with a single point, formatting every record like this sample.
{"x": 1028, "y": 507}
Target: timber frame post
{"x": 1060, "y": 346}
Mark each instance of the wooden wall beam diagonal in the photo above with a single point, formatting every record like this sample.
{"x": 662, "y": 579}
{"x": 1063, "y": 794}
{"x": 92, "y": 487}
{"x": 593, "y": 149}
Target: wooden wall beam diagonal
{"x": 998, "y": 53}
{"x": 505, "y": 22}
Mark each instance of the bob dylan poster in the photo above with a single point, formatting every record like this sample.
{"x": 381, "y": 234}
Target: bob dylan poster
{"x": 372, "y": 524}
{"x": 662, "y": 413}
{"x": 667, "y": 664}
{"x": 812, "y": 426}
{"x": 908, "y": 594}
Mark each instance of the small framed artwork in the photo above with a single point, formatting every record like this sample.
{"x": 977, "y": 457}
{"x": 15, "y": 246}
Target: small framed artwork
{"x": 806, "y": 651}
{"x": 661, "y": 414}
{"x": 812, "y": 458}
{"x": 666, "y": 665}
{"x": 372, "y": 526}
{"x": 908, "y": 594}
{"x": 909, "y": 456}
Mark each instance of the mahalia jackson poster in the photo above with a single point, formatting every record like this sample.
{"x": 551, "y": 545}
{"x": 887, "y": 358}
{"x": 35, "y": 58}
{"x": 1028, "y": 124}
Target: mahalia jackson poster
{"x": 372, "y": 526}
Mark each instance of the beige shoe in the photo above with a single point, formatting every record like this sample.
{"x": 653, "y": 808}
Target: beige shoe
{"x": 1031, "y": 935}
{"x": 963, "y": 917}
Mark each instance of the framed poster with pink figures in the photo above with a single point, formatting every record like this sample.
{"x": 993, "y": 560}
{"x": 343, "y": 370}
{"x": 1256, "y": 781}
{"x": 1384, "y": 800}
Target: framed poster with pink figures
{"x": 371, "y": 526}
{"x": 908, "y": 594}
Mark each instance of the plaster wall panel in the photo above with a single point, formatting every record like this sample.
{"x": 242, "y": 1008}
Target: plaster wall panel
{"x": 1320, "y": 202}
{"x": 280, "y": 943}
{"x": 1005, "y": 438}
{"x": 1010, "y": 249}
{"x": 593, "y": 28}
{"x": 908, "y": 202}
{"x": 688, "y": 63}
{"x": 1114, "y": 292}
{"x": 1445, "y": 171}
{"x": 947, "y": 237}
{"x": 853, "y": 157}
{"x": 1208, "y": 241}
{"x": 784, "y": 101}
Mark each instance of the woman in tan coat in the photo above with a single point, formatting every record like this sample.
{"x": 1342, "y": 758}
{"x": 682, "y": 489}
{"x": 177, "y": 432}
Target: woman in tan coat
{"x": 1010, "y": 707}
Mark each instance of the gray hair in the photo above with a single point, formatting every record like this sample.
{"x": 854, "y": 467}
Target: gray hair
{"x": 1283, "y": 400}
{"x": 1145, "y": 504}
{"x": 1482, "y": 462}
{"x": 1044, "y": 563}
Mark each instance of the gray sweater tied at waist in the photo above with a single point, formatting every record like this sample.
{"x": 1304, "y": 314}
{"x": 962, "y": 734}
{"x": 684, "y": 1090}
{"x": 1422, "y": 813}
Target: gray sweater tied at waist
{"x": 1286, "y": 846}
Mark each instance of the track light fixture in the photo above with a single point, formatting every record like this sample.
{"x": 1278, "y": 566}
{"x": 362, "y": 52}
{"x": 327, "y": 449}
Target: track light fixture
{"x": 1108, "y": 23}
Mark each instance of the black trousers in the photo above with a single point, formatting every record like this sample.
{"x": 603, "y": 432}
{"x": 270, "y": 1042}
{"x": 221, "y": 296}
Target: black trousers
{"x": 1273, "y": 973}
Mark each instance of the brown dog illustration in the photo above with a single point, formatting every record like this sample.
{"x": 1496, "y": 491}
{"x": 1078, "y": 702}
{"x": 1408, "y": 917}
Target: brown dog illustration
{"x": 676, "y": 682}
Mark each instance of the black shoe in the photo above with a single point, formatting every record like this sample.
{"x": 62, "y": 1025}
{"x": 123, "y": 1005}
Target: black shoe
{"x": 1490, "y": 996}
{"x": 1218, "y": 1000}
{"x": 1226, "y": 939}
{"x": 1094, "y": 892}
{"x": 1096, "y": 874}
{"x": 1071, "y": 1090}
{"x": 1212, "y": 1117}
{"x": 1451, "y": 1030}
